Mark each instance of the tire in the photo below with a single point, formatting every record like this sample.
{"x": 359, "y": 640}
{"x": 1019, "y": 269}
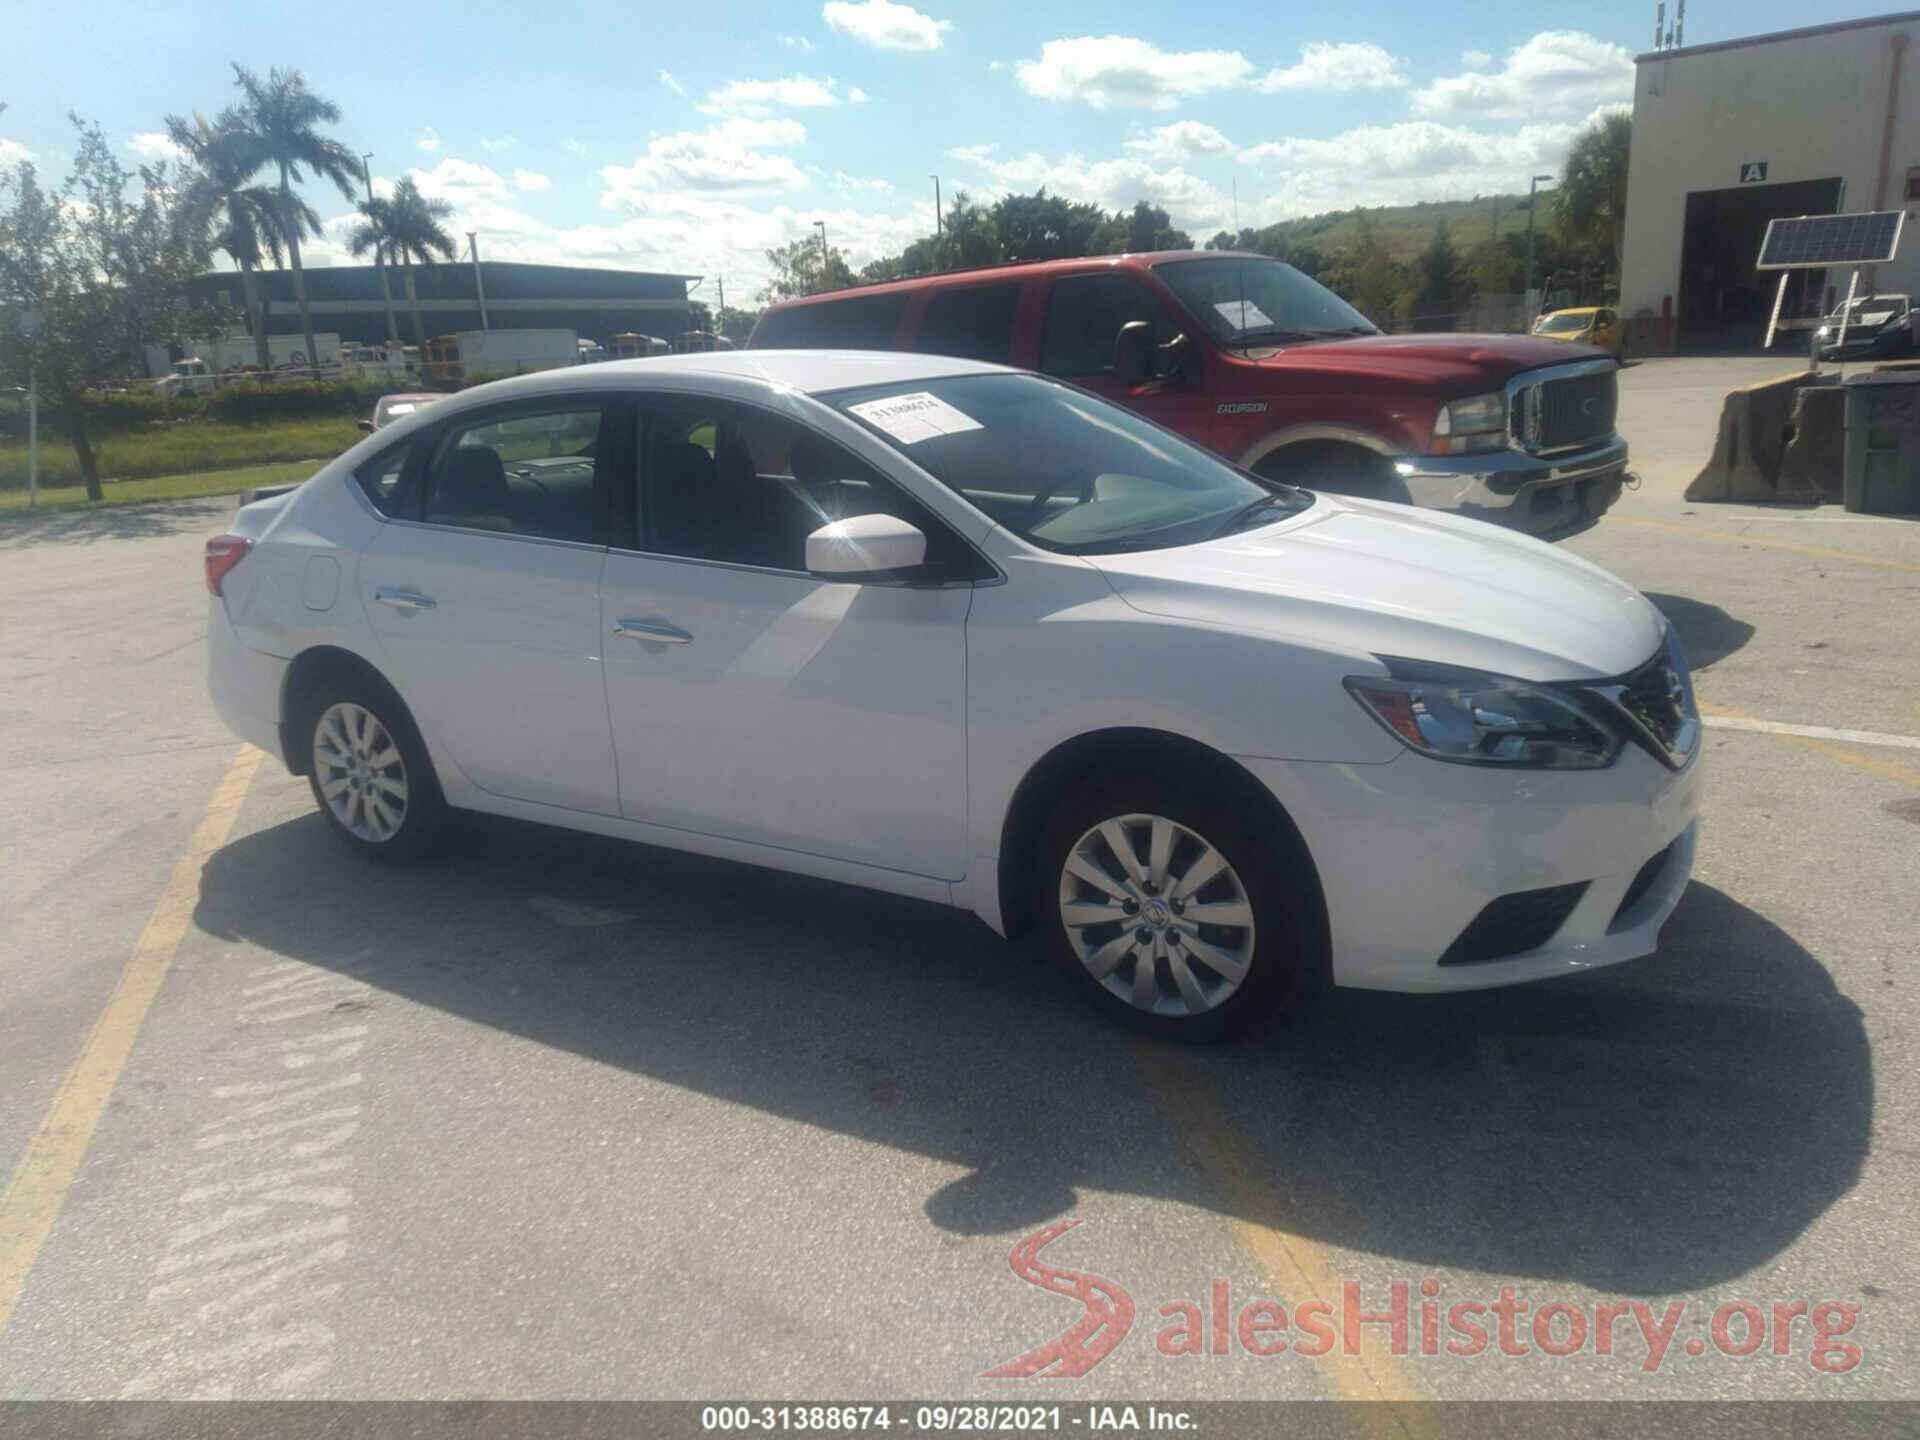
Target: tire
{"x": 369, "y": 770}
{"x": 1336, "y": 469}
{"x": 1218, "y": 977}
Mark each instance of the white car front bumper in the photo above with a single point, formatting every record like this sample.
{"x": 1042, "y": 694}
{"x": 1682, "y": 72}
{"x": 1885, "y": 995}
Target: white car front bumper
{"x": 1411, "y": 853}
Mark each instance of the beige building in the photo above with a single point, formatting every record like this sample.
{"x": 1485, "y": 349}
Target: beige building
{"x": 1729, "y": 136}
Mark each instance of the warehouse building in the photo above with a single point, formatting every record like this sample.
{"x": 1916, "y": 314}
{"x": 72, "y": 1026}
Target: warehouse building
{"x": 1729, "y": 136}
{"x": 345, "y": 299}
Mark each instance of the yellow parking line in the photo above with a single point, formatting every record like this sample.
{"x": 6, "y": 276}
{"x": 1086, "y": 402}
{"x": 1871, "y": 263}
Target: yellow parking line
{"x": 1818, "y": 552}
{"x": 1262, "y": 1227}
{"x": 38, "y": 1188}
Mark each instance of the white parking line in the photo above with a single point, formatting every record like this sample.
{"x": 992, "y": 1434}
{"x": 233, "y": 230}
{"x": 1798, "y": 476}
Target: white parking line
{"x": 1810, "y": 732}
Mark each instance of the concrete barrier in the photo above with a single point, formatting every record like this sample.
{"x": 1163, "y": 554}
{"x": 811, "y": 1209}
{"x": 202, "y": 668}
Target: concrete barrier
{"x": 1813, "y": 464}
{"x": 1754, "y": 425}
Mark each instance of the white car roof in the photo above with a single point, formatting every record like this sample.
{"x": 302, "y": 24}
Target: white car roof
{"x": 808, "y": 371}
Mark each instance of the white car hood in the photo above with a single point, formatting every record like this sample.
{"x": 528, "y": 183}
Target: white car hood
{"x": 1372, "y": 578}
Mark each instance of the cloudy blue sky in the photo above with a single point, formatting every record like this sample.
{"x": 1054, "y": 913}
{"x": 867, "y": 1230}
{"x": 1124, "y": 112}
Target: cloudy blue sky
{"x": 693, "y": 137}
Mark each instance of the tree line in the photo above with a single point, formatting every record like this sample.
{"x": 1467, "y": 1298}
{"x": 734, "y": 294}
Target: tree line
{"x": 99, "y": 266}
{"x": 1577, "y": 239}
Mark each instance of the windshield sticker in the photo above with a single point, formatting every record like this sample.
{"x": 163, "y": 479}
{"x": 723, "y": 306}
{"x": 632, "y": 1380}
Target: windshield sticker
{"x": 913, "y": 418}
{"x": 1244, "y": 314}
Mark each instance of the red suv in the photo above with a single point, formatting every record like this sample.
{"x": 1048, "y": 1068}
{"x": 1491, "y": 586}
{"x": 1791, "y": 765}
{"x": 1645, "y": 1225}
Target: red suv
{"x": 1274, "y": 371}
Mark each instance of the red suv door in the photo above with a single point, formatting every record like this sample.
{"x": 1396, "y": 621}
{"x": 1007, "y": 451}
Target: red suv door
{"x": 1084, "y": 314}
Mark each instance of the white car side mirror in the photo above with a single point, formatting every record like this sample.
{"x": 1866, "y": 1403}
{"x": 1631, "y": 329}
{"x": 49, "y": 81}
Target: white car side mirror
{"x": 865, "y": 545}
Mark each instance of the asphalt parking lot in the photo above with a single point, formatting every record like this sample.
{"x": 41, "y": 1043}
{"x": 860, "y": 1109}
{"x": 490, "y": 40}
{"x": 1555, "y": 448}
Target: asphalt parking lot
{"x": 559, "y": 1117}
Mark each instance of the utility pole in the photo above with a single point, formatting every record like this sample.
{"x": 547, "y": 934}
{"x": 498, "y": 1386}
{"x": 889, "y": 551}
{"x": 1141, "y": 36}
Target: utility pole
{"x": 719, "y": 316}
{"x": 938, "y": 227}
{"x": 380, "y": 266}
{"x": 821, "y": 226}
{"x": 1533, "y": 204}
{"x": 479, "y": 290}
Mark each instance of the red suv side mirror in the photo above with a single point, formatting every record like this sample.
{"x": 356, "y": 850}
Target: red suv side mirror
{"x": 1133, "y": 353}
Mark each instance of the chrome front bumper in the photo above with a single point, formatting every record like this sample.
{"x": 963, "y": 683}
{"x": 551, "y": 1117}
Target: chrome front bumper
{"x": 1549, "y": 497}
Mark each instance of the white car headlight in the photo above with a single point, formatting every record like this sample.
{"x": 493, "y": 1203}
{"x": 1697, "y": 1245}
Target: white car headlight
{"x": 1471, "y": 718}
{"x": 1476, "y": 423}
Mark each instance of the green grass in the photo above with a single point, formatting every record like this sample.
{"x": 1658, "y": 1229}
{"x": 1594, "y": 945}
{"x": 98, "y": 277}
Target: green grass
{"x": 1405, "y": 230}
{"x": 173, "y": 451}
{"x": 13, "y": 503}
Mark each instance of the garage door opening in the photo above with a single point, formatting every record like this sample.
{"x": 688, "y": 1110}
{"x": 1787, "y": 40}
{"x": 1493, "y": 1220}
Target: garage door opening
{"x": 1724, "y": 301}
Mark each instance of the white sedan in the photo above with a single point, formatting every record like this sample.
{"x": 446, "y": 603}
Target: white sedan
{"x": 959, "y": 632}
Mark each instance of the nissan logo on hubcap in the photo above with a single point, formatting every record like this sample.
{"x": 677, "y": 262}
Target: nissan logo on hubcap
{"x": 1156, "y": 913}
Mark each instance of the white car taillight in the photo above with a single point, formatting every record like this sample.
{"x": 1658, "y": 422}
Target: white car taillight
{"x": 223, "y": 553}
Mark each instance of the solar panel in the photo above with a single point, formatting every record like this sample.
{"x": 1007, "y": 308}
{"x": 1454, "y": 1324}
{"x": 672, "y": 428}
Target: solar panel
{"x": 1812, "y": 241}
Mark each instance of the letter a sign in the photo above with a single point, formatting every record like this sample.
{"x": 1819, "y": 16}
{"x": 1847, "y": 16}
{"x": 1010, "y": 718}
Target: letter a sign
{"x": 1753, "y": 172}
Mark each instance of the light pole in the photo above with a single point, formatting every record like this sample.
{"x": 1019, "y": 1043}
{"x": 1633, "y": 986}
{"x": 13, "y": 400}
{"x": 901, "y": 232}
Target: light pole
{"x": 479, "y": 290}
{"x": 937, "y": 226}
{"x": 821, "y": 226}
{"x": 1532, "y": 202}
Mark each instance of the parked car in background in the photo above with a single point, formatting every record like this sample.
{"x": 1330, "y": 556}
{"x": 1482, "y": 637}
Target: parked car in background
{"x": 1594, "y": 325}
{"x": 1262, "y": 364}
{"x": 389, "y": 408}
{"x": 1879, "y": 327}
{"x": 970, "y": 634}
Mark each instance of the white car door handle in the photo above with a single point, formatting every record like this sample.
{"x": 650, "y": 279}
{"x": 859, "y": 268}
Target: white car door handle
{"x": 654, "y": 631}
{"x": 404, "y": 599}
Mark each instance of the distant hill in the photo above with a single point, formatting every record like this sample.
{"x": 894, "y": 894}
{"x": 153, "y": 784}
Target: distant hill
{"x": 1404, "y": 230}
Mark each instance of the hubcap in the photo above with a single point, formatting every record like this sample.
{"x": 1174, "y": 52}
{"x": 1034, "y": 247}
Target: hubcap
{"x": 360, "y": 773}
{"x": 1157, "y": 915}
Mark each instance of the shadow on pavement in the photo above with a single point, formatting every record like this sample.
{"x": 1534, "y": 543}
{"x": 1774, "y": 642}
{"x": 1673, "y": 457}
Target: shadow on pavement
{"x": 21, "y": 528}
{"x": 1658, "y": 1127}
{"x": 1707, "y": 631}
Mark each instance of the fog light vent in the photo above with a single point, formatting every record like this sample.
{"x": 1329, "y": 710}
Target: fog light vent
{"x": 1515, "y": 924}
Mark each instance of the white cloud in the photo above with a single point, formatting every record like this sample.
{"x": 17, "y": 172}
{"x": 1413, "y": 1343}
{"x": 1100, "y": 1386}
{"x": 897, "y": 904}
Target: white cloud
{"x": 1475, "y": 60}
{"x": 494, "y": 144}
{"x": 666, "y": 79}
{"x": 732, "y": 156}
{"x": 572, "y": 146}
{"x": 464, "y": 183}
{"x": 797, "y": 42}
{"x": 843, "y": 181}
{"x": 12, "y": 152}
{"x": 885, "y": 25}
{"x": 1557, "y": 72}
{"x": 760, "y": 97}
{"x": 530, "y": 181}
{"x": 1360, "y": 66}
{"x": 1182, "y": 140}
{"x": 1112, "y": 184}
{"x": 857, "y": 96}
{"x": 1114, "y": 71}
{"x": 1402, "y": 163}
{"x": 428, "y": 139}
{"x": 152, "y": 145}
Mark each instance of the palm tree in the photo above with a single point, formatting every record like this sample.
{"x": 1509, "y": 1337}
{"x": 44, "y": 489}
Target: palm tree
{"x": 413, "y": 229}
{"x": 230, "y": 214}
{"x": 373, "y": 233}
{"x": 282, "y": 117}
{"x": 1592, "y": 198}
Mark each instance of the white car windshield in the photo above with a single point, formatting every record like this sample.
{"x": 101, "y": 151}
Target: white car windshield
{"x": 1063, "y": 469}
{"x": 1247, "y": 301}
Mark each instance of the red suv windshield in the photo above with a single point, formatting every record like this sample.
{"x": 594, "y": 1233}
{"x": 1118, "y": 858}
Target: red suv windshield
{"x": 1240, "y": 300}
